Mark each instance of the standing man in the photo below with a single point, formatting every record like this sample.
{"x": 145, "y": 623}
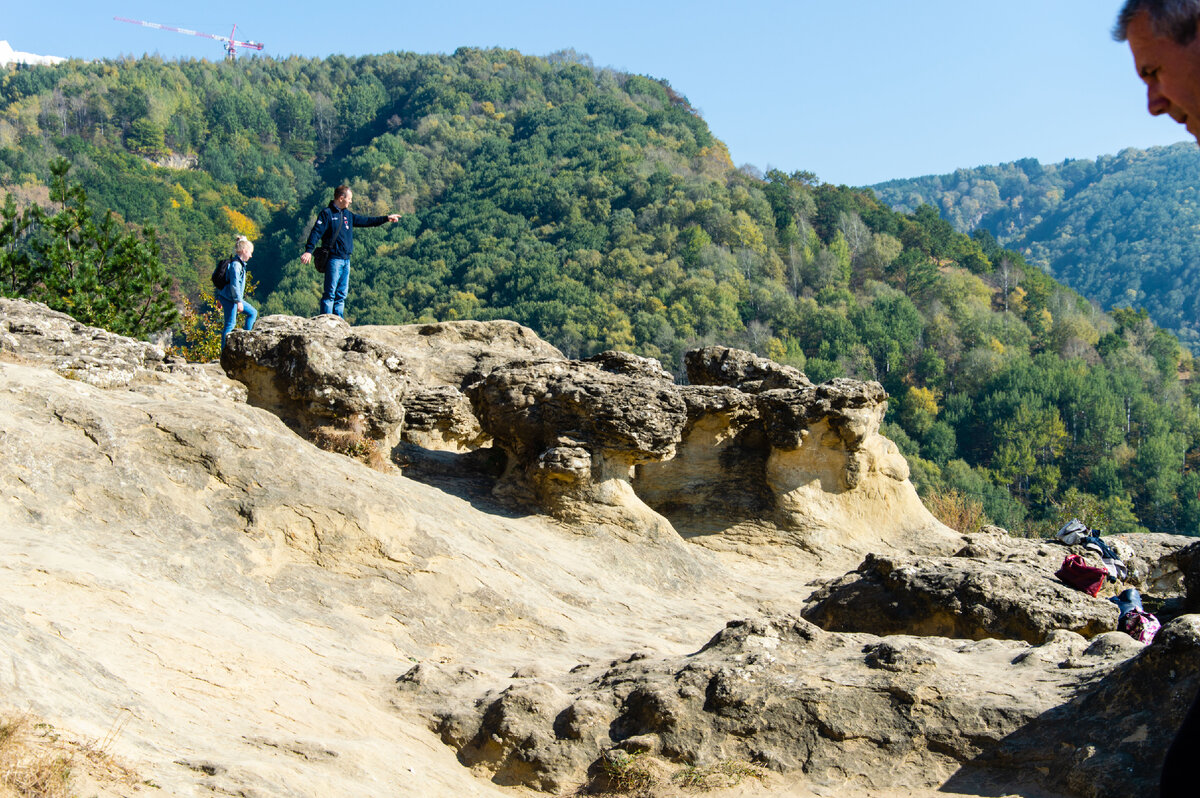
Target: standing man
{"x": 335, "y": 227}
{"x": 1162, "y": 35}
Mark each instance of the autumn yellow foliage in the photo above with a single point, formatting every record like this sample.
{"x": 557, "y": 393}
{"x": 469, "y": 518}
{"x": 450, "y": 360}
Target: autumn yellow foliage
{"x": 241, "y": 223}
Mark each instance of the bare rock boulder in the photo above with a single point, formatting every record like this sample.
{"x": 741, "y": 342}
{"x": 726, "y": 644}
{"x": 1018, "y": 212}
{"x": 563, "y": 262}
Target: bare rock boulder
{"x": 457, "y": 353}
{"x": 806, "y": 458}
{"x": 320, "y": 372}
{"x": 1188, "y": 561}
{"x": 1110, "y": 739}
{"x": 961, "y": 597}
{"x": 573, "y": 433}
{"x": 737, "y": 368}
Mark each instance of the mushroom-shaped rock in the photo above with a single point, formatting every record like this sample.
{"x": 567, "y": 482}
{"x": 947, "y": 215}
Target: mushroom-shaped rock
{"x": 718, "y": 474}
{"x": 315, "y": 372}
{"x": 807, "y": 458}
{"x": 573, "y": 431}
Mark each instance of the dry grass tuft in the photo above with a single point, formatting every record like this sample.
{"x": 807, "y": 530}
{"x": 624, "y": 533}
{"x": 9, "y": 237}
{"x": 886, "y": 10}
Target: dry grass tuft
{"x": 351, "y": 440}
{"x": 957, "y": 511}
{"x": 730, "y": 773}
{"x": 36, "y": 761}
{"x": 620, "y": 773}
{"x": 33, "y": 763}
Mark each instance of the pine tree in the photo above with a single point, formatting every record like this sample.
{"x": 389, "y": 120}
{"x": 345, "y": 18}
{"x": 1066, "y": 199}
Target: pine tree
{"x": 97, "y": 272}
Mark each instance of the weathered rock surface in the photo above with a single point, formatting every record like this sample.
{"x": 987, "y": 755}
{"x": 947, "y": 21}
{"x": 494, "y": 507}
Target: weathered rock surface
{"x": 235, "y": 600}
{"x": 965, "y": 597}
{"x": 610, "y": 439}
{"x": 457, "y": 353}
{"x": 851, "y": 709}
{"x": 1110, "y": 740}
{"x": 318, "y": 372}
{"x": 33, "y": 334}
{"x": 1188, "y": 560}
{"x": 442, "y": 359}
{"x": 796, "y": 457}
{"x": 573, "y": 432}
{"x": 736, "y": 368}
{"x": 994, "y": 586}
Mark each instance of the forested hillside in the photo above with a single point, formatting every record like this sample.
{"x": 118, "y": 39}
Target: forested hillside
{"x": 598, "y": 208}
{"x": 1123, "y": 230}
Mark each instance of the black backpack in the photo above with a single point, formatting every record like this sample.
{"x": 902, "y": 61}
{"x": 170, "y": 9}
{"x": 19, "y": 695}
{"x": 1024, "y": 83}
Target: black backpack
{"x": 220, "y": 275}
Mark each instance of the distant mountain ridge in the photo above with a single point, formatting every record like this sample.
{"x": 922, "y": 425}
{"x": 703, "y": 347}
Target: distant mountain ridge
{"x": 1124, "y": 230}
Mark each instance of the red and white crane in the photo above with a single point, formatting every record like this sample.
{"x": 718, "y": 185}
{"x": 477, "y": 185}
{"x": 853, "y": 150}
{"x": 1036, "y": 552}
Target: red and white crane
{"x": 231, "y": 44}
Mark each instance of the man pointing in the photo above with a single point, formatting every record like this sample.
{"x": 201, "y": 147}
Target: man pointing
{"x": 335, "y": 228}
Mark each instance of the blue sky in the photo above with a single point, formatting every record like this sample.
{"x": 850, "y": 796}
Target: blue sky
{"x": 857, "y": 91}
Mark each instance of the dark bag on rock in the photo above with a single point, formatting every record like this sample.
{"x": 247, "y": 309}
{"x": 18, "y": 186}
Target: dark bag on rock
{"x": 321, "y": 258}
{"x": 1076, "y": 572}
{"x": 220, "y": 275}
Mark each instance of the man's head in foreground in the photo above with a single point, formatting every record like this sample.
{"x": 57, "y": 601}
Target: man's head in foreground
{"x": 1162, "y": 35}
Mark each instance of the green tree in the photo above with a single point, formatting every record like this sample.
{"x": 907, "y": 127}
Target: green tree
{"x": 95, "y": 271}
{"x": 147, "y": 138}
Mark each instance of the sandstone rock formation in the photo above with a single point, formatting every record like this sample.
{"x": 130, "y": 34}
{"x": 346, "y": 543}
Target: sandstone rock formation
{"x": 1110, "y": 738}
{"x": 720, "y": 365}
{"x": 611, "y": 439}
{"x": 574, "y": 431}
{"x": 240, "y": 613}
{"x": 316, "y": 372}
{"x": 1188, "y": 559}
{"x": 995, "y": 586}
{"x": 848, "y": 709}
{"x": 797, "y": 457}
{"x": 966, "y": 597}
{"x": 442, "y": 360}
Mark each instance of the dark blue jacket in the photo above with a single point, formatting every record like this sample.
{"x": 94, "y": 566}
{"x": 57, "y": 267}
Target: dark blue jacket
{"x": 335, "y": 227}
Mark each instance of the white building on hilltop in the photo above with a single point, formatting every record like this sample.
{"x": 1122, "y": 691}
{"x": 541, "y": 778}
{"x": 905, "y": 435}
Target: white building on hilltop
{"x": 10, "y": 56}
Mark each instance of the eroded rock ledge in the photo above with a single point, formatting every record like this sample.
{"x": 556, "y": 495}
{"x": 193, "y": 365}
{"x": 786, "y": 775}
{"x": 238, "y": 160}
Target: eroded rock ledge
{"x": 852, "y": 709}
{"x": 609, "y": 439}
{"x": 31, "y": 333}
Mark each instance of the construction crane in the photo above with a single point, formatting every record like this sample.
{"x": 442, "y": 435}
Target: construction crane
{"x": 231, "y": 44}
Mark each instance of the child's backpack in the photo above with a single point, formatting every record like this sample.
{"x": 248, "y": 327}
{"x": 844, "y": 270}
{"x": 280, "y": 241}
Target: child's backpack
{"x": 1076, "y": 572}
{"x": 1139, "y": 625}
{"x": 220, "y": 275}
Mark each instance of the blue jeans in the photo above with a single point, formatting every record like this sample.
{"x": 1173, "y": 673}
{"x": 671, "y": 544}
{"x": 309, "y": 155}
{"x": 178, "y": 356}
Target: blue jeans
{"x": 230, "y": 309}
{"x": 337, "y": 280}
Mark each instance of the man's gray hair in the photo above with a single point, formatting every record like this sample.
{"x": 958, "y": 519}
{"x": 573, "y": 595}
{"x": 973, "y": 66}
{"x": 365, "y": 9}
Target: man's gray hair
{"x": 1172, "y": 18}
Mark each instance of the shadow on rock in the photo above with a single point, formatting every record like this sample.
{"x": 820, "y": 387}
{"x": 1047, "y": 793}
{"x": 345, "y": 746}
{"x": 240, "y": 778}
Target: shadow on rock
{"x": 1109, "y": 741}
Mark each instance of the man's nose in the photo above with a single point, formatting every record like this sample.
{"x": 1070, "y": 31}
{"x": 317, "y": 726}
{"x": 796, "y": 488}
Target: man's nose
{"x": 1156, "y": 103}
